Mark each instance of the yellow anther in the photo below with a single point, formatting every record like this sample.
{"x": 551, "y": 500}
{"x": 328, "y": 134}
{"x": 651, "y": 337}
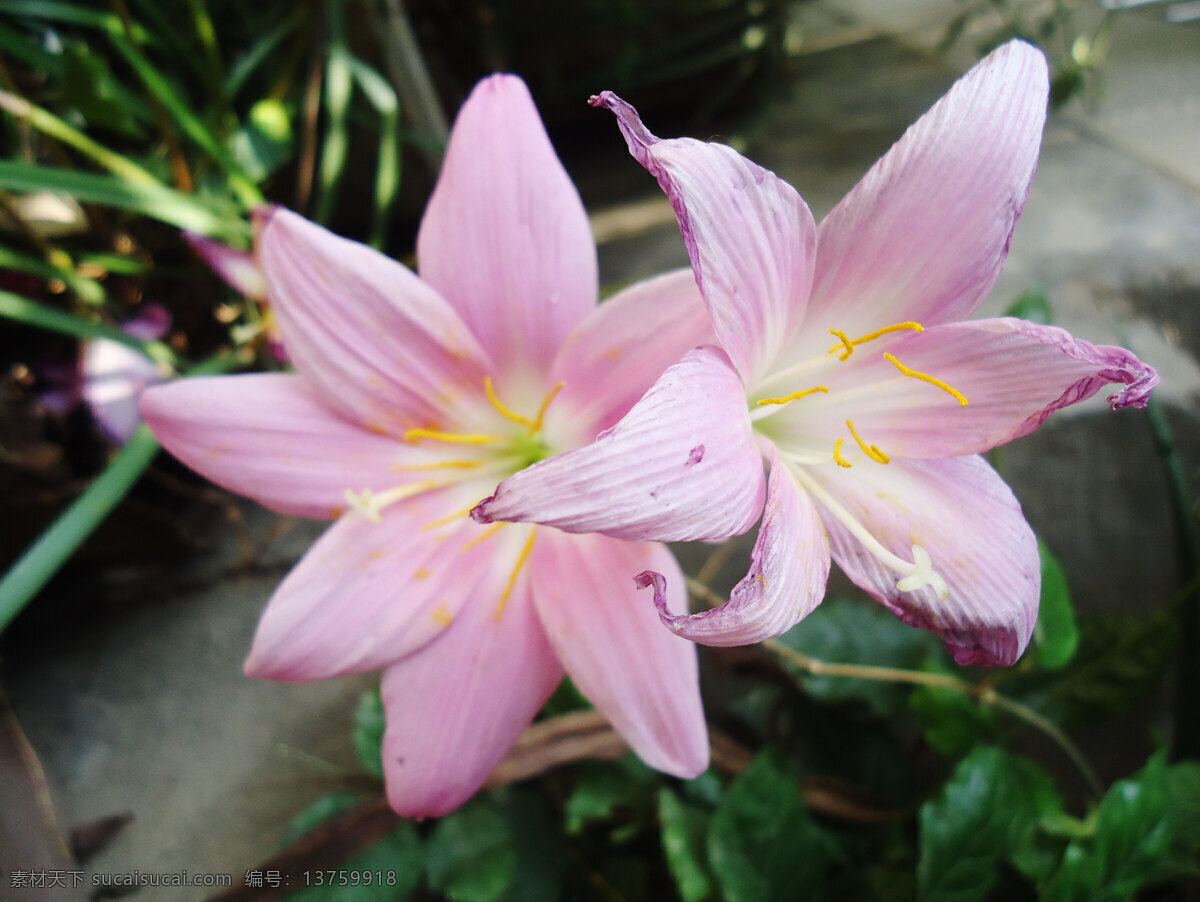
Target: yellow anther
{"x": 846, "y": 343}
{"x": 872, "y": 451}
{"x": 837, "y": 454}
{"x": 502, "y": 407}
{"x": 512, "y": 580}
{"x": 932, "y": 380}
{"x": 794, "y": 395}
{"x": 443, "y": 465}
{"x": 541, "y": 414}
{"x": 459, "y": 438}
{"x": 486, "y": 534}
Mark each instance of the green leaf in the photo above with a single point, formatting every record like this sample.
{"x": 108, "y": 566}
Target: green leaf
{"x": 683, "y": 830}
{"x": 367, "y": 734}
{"x": 855, "y": 632}
{"x": 1121, "y": 659}
{"x": 154, "y": 200}
{"x": 1034, "y": 306}
{"x": 1056, "y": 635}
{"x": 471, "y": 854}
{"x": 317, "y": 813}
{"x": 762, "y": 843}
{"x": 986, "y": 812}
{"x": 602, "y": 789}
{"x": 542, "y": 853}
{"x": 1132, "y": 837}
{"x": 954, "y": 723}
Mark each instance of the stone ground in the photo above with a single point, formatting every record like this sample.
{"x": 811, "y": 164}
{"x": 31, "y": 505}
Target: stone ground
{"x": 145, "y": 709}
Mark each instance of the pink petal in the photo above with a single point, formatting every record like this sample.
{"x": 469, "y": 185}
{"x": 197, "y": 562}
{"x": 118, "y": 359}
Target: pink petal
{"x": 789, "y": 568}
{"x": 1012, "y": 373}
{"x": 455, "y": 709}
{"x": 681, "y": 465}
{"x": 239, "y": 269}
{"x": 750, "y": 237}
{"x": 505, "y": 238}
{"x": 270, "y": 437}
{"x": 378, "y": 344}
{"x": 609, "y": 361}
{"x": 639, "y": 676}
{"x": 923, "y": 236}
{"x": 367, "y": 594}
{"x": 968, "y": 521}
{"x": 114, "y": 376}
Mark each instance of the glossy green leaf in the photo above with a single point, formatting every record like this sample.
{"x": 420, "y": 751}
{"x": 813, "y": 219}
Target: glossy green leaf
{"x": 1132, "y": 838}
{"x": 684, "y": 828}
{"x": 763, "y": 846}
{"x": 859, "y": 632}
{"x": 1056, "y": 635}
{"x": 367, "y": 734}
{"x": 471, "y": 854}
{"x": 988, "y": 811}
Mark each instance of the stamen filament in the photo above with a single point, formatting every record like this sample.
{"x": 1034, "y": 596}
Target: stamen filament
{"x": 541, "y": 414}
{"x": 370, "y": 504}
{"x": 932, "y": 380}
{"x": 846, "y": 343}
{"x": 503, "y": 408}
{"x": 442, "y": 521}
{"x": 461, "y": 438}
{"x": 914, "y": 576}
{"x": 837, "y": 454}
{"x": 440, "y": 465}
{"x": 872, "y": 451}
{"x": 512, "y": 580}
{"x": 486, "y": 534}
{"x": 794, "y": 395}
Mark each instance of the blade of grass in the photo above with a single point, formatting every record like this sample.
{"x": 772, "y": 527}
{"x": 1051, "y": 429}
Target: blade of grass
{"x": 49, "y": 124}
{"x": 71, "y": 14}
{"x": 338, "y": 85}
{"x": 57, "y": 544}
{"x": 254, "y": 56}
{"x": 87, "y": 290}
{"x": 188, "y": 120}
{"x": 154, "y": 200}
{"x": 387, "y": 177}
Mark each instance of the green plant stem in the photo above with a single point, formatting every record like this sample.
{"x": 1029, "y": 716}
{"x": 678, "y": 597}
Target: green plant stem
{"x": 57, "y": 544}
{"x": 23, "y": 310}
{"x": 985, "y": 695}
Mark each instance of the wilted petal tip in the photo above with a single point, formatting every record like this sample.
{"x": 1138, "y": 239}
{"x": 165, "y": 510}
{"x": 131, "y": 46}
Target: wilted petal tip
{"x": 479, "y": 512}
{"x": 1137, "y": 393}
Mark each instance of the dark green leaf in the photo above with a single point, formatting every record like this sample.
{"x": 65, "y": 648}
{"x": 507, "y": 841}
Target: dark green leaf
{"x": 386, "y": 871}
{"x": 988, "y": 811}
{"x": 603, "y": 789}
{"x": 857, "y": 632}
{"x": 472, "y": 854}
{"x": 1056, "y": 636}
{"x": 542, "y": 855}
{"x": 954, "y": 723}
{"x": 1121, "y": 659}
{"x": 1034, "y": 306}
{"x": 1132, "y": 838}
{"x": 762, "y": 843}
{"x": 368, "y": 732}
{"x": 683, "y": 830}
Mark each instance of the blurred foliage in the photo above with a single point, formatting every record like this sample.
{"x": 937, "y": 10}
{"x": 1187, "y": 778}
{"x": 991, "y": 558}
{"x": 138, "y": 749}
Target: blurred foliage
{"x": 1075, "y": 47}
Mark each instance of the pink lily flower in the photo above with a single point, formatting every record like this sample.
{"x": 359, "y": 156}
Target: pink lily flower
{"x": 413, "y": 397}
{"x": 847, "y": 358}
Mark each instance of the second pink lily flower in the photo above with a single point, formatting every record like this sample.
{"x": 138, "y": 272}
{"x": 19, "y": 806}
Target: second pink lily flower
{"x": 847, "y": 364}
